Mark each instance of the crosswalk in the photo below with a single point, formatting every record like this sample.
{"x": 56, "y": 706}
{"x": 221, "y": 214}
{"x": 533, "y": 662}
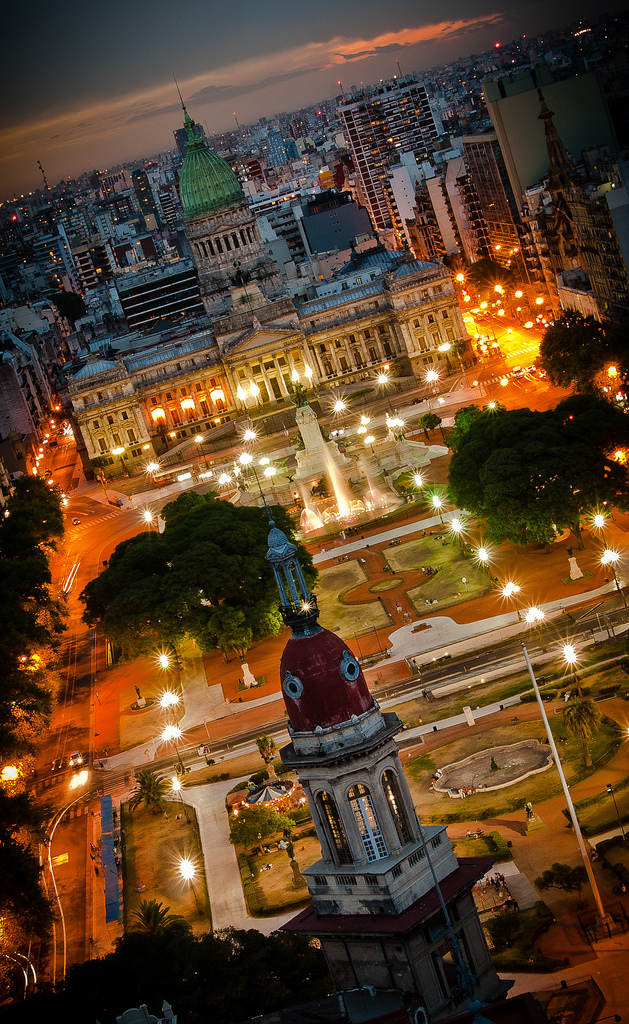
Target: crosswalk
{"x": 99, "y": 519}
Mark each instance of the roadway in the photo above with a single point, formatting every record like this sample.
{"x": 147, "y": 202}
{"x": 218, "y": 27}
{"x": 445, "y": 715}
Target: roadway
{"x": 80, "y": 557}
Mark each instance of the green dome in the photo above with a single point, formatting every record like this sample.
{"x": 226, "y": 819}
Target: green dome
{"x": 207, "y": 183}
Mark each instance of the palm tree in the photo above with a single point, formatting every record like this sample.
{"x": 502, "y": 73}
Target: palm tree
{"x": 151, "y": 791}
{"x": 268, "y": 752}
{"x": 581, "y": 719}
{"x": 155, "y": 919}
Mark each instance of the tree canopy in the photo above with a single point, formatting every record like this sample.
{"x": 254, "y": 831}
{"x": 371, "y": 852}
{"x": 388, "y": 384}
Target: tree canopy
{"x": 206, "y": 978}
{"x": 530, "y": 474}
{"x": 31, "y": 626}
{"x": 582, "y": 353}
{"x": 70, "y": 305}
{"x": 254, "y": 825}
{"x": 205, "y": 576}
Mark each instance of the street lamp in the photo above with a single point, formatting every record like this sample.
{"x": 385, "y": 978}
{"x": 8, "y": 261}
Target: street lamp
{"x": 535, "y": 617}
{"x": 610, "y": 790}
{"x": 457, "y": 529}
{"x": 339, "y": 405}
{"x": 249, "y": 435}
{"x": 610, "y": 558}
{"x": 510, "y": 590}
{"x": 566, "y": 791}
{"x": 571, "y": 659}
{"x": 188, "y": 872}
{"x": 163, "y": 660}
{"x": 172, "y": 733}
{"x": 482, "y": 555}
{"x": 175, "y": 783}
{"x": 168, "y": 699}
{"x": 437, "y": 504}
{"x": 418, "y": 480}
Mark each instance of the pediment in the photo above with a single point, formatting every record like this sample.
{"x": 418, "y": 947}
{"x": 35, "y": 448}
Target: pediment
{"x": 263, "y": 338}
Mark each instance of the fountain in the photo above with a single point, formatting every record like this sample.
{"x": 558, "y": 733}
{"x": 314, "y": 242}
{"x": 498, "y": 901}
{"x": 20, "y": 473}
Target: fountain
{"x": 319, "y": 457}
{"x": 309, "y": 520}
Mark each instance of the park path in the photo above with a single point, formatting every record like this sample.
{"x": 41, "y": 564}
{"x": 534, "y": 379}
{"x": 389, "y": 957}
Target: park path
{"x": 227, "y": 901}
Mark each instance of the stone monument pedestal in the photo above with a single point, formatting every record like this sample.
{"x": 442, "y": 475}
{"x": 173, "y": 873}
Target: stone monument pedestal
{"x": 534, "y": 824}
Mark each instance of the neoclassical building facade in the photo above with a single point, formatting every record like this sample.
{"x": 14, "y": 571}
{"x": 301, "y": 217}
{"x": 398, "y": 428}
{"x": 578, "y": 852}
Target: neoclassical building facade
{"x": 380, "y": 309}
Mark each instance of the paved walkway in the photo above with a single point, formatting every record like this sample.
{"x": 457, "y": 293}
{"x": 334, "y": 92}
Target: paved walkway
{"x": 227, "y": 901}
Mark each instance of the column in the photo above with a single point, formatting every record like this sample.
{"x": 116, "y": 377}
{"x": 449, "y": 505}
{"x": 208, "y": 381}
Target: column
{"x": 267, "y": 384}
{"x": 280, "y": 379}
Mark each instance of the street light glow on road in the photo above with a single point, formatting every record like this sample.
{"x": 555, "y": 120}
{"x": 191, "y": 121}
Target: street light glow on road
{"x": 186, "y": 869}
{"x": 168, "y": 699}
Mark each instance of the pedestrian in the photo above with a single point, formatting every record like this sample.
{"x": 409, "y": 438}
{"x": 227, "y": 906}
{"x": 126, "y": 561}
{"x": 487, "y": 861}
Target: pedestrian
{"x": 399, "y": 608}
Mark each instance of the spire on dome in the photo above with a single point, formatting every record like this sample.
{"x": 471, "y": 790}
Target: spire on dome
{"x": 298, "y": 605}
{"x": 559, "y": 165}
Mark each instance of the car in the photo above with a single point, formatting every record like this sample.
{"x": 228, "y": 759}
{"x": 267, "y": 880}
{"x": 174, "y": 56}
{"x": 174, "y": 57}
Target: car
{"x": 76, "y": 522}
{"x": 57, "y": 764}
{"x": 76, "y": 759}
{"x": 47, "y": 473}
{"x": 517, "y": 371}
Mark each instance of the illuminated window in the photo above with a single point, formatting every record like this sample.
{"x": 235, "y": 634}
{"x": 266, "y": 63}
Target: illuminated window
{"x": 187, "y": 403}
{"x": 335, "y": 830}
{"x": 158, "y": 414}
{"x": 392, "y": 793}
{"x": 372, "y": 839}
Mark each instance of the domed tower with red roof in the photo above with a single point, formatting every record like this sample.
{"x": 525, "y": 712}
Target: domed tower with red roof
{"x": 391, "y": 904}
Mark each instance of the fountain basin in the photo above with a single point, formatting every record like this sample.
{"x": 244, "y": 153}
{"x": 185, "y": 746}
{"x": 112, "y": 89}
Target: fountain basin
{"x": 515, "y": 762}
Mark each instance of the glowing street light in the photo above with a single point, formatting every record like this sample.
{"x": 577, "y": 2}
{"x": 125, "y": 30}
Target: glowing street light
{"x": 224, "y": 479}
{"x": 270, "y": 471}
{"x": 382, "y": 378}
{"x": 241, "y": 394}
{"x": 163, "y": 660}
{"x": 308, "y": 373}
{"x": 418, "y": 480}
{"x": 610, "y": 558}
{"x": 510, "y": 590}
{"x": 482, "y": 556}
{"x": 365, "y": 420}
{"x": 339, "y": 405}
{"x": 245, "y": 459}
{"x": 188, "y": 872}
{"x": 168, "y": 699}
{"x": 431, "y": 377}
{"x": 535, "y": 616}
{"x": 172, "y": 734}
{"x": 152, "y": 467}
{"x": 176, "y": 785}
{"x": 148, "y": 516}
{"x": 249, "y": 435}
{"x": 294, "y": 376}
{"x": 437, "y": 503}
{"x": 460, "y": 278}
{"x": 571, "y": 658}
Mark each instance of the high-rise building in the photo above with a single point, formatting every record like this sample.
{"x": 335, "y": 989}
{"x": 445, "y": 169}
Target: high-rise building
{"x": 391, "y": 904}
{"x": 159, "y": 293}
{"x": 380, "y": 125}
{"x": 582, "y": 119}
{"x": 486, "y": 167}
{"x": 181, "y": 137}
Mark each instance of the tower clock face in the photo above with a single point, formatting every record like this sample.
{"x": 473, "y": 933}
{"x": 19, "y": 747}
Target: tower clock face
{"x": 292, "y": 686}
{"x": 349, "y": 667}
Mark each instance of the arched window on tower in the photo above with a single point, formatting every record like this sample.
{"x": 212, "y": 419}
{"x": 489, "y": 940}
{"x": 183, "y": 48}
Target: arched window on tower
{"x": 335, "y": 830}
{"x": 362, "y": 805}
{"x": 392, "y": 793}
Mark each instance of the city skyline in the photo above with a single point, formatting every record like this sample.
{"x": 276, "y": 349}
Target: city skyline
{"x": 77, "y": 110}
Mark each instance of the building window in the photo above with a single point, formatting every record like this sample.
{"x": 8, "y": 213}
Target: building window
{"x": 371, "y": 880}
{"x": 116, "y": 438}
{"x": 436, "y": 841}
{"x": 95, "y": 424}
{"x": 431, "y": 318}
{"x": 125, "y": 415}
{"x": 372, "y": 839}
{"x": 110, "y": 420}
{"x": 102, "y": 444}
{"x": 157, "y": 415}
{"x": 205, "y": 409}
{"x": 392, "y": 793}
{"x": 397, "y": 871}
{"x": 445, "y": 314}
{"x": 132, "y": 438}
{"x": 335, "y": 830}
{"x": 175, "y": 416}
{"x": 346, "y": 879}
{"x": 320, "y": 880}
{"x": 417, "y": 856}
{"x": 198, "y": 387}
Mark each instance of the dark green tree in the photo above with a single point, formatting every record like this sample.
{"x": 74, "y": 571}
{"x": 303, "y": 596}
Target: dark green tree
{"x": 562, "y": 876}
{"x": 581, "y": 719}
{"x": 463, "y": 419}
{"x": 70, "y": 305}
{"x": 254, "y": 825}
{"x": 268, "y": 751}
{"x": 205, "y": 576}
{"x": 530, "y": 474}
{"x": 483, "y": 276}
{"x": 150, "y": 791}
{"x": 573, "y": 351}
{"x": 154, "y": 918}
{"x": 429, "y": 422}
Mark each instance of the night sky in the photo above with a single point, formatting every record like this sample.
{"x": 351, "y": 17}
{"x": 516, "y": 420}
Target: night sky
{"x": 91, "y": 85}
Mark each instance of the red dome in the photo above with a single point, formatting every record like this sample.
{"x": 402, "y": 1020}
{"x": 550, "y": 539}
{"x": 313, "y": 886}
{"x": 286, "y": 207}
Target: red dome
{"x": 322, "y": 682}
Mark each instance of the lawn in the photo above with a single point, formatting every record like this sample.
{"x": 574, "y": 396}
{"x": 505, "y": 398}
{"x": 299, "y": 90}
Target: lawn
{"x": 447, "y": 585}
{"x": 275, "y": 887}
{"x": 537, "y": 788}
{"x": 152, "y": 846}
{"x": 346, "y": 619}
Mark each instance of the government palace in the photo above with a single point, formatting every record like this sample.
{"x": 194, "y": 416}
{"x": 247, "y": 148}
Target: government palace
{"x": 380, "y": 309}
